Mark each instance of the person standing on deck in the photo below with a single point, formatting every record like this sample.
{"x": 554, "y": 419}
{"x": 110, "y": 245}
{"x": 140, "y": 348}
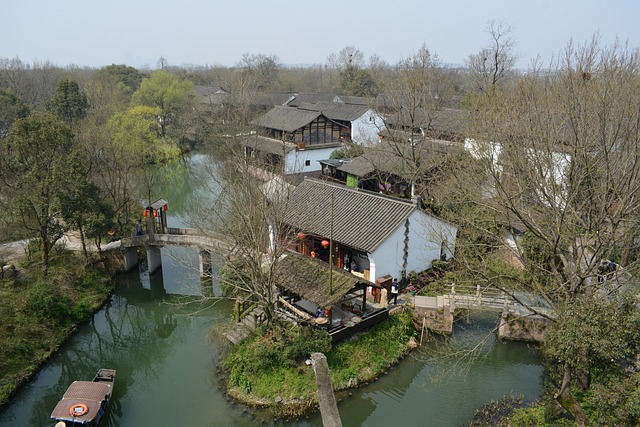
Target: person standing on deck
{"x": 394, "y": 291}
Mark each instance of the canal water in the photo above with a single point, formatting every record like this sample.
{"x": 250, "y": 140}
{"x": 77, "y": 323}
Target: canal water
{"x": 156, "y": 332}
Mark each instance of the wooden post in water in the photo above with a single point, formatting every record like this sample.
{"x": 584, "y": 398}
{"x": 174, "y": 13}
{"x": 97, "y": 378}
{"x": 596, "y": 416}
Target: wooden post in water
{"x": 326, "y": 398}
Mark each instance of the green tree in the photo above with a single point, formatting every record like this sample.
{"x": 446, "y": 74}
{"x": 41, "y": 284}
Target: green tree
{"x": 83, "y": 207}
{"x": 166, "y": 92}
{"x": 129, "y": 78}
{"x": 34, "y": 174}
{"x": 69, "y": 102}
{"x": 356, "y": 81}
{"x": 137, "y": 143}
{"x": 11, "y": 108}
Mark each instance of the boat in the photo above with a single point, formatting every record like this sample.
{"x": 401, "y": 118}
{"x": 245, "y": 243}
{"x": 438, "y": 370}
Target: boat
{"x": 85, "y": 402}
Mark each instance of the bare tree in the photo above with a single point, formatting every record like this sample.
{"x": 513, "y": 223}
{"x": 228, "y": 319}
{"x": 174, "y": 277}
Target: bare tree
{"x": 248, "y": 211}
{"x": 263, "y": 69}
{"x": 347, "y": 56}
{"x": 413, "y": 101}
{"x": 495, "y": 61}
{"x": 561, "y": 150}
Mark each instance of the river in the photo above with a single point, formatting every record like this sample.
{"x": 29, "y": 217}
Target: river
{"x": 166, "y": 362}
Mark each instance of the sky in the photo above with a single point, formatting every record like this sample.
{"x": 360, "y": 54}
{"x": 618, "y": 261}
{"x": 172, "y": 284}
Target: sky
{"x": 299, "y": 32}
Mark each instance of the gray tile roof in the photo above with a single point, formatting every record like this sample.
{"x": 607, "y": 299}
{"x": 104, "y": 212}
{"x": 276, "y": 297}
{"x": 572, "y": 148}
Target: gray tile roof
{"x": 446, "y": 120}
{"x": 272, "y": 99}
{"x": 360, "y": 100}
{"x": 361, "y": 219}
{"x": 268, "y": 145}
{"x": 337, "y": 110}
{"x": 397, "y": 158}
{"x": 311, "y": 98}
{"x": 287, "y": 119}
{"x": 212, "y": 94}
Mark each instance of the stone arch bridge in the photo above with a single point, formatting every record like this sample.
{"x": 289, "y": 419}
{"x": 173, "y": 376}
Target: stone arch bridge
{"x": 206, "y": 243}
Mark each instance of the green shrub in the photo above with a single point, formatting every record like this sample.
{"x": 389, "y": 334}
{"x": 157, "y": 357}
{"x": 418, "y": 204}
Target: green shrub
{"x": 528, "y": 417}
{"x": 301, "y": 346}
{"x": 47, "y": 304}
{"x": 439, "y": 265}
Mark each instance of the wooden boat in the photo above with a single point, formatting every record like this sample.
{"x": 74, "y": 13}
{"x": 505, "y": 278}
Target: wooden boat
{"x": 85, "y": 402}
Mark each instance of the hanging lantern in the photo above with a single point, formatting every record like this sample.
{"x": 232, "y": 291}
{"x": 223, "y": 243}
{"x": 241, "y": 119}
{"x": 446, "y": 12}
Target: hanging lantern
{"x": 155, "y": 213}
{"x": 325, "y": 243}
{"x": 166, "y": 207}
{"x": 301, "y": 235}
{"x": 145, "y": 213}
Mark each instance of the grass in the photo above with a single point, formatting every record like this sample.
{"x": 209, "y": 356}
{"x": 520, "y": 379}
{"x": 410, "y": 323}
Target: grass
{"x": 38, "y": 313}
{"x": 266, "y": 369}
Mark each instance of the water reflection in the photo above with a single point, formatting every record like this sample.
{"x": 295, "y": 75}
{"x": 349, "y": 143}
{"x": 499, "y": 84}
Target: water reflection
{"x": 429, "y": 388}
{"x": 155, "y": 335}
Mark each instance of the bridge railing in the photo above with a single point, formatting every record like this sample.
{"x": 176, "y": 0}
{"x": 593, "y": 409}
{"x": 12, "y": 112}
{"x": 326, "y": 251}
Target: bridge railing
{"x": 490, "y": 297}
{"x": 184, "y": 231}
{"x": 478, "y": 296}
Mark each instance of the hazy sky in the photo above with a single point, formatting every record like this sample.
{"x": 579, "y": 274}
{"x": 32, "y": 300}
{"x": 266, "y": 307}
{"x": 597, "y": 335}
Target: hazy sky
{"x": 215, "y": 32}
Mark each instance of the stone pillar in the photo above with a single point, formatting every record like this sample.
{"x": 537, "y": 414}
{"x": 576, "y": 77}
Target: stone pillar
{"x": 154, "y": 258}
{"x": 384, "y": 298}
{"x": 130, "y": 256}
{"x": 326, "y": 397}
{"x": 206, "y": 264}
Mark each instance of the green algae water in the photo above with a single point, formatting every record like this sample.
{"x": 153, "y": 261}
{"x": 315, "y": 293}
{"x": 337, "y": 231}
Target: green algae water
{"x": 157, "y": 338}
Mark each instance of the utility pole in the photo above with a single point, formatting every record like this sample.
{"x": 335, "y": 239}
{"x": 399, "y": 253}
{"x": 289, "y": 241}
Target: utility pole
{"x": 331, "y": 249}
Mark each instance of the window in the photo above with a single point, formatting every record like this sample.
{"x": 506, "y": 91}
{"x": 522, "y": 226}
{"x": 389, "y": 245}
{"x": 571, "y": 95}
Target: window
{"x": 307, "y": 162}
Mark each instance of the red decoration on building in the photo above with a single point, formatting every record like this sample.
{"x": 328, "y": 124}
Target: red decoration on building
{"x": 301, "y": 235}
{"x": 145, "y": 213}
{"x": 166, "y": 207}
{"x": 325, "y": 243}
{"x": 155, "y": 213}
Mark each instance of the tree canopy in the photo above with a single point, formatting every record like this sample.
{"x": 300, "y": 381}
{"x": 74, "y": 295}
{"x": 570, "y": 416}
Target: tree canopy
{"x": 69, "y": 102}
{"x": 38, "y": 156}
{"x": 166, "y": 92}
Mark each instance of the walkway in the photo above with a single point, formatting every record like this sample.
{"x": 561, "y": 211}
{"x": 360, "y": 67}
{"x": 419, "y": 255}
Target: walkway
{"x": 238, "y": 331}
{"x": 482, "y": 299}
{"x": 182, "y": 237}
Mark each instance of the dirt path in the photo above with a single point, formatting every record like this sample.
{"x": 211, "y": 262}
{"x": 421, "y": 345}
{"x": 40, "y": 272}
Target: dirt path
{"x": 13, "y": 251}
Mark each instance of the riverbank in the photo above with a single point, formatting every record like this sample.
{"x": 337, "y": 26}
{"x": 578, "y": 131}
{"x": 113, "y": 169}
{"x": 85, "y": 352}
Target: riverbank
{"x": 38, "y": 314}
{"x": 268, "y": 372}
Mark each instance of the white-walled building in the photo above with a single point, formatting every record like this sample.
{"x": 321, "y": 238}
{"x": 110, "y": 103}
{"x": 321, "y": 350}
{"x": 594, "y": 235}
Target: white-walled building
{"x": 364, "y": 123}
{"x": 286, "y": 158}
{"x": 291, "y": 141}
{"x": 382, "y": 235}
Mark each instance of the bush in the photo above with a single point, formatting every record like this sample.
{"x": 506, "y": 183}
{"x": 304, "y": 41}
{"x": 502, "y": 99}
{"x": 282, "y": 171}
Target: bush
{"x": 301, "y": 346}
{"x": 48, "y": 304}
{"x": 528, "y": 417}
{"x": 267, "y": 366}
{"x": 439, "y": 265}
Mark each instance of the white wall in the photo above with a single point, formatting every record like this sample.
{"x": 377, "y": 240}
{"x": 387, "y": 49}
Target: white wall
{"x": 426, "y": 235}
{"x": 365, "y": 129}
{"x": 295, "y": 161}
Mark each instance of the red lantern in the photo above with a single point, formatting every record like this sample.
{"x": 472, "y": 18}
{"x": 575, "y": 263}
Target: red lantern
{"x": 301, "y": 235}
{"x": 166, "y": 207}
{"x": 325, "y": 244}
{"x": 155, "y": 213}
{"x": 145, "y": 213}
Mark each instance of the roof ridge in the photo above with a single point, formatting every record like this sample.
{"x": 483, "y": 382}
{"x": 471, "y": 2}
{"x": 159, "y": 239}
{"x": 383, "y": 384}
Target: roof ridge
{"x": 362, "y": 191}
